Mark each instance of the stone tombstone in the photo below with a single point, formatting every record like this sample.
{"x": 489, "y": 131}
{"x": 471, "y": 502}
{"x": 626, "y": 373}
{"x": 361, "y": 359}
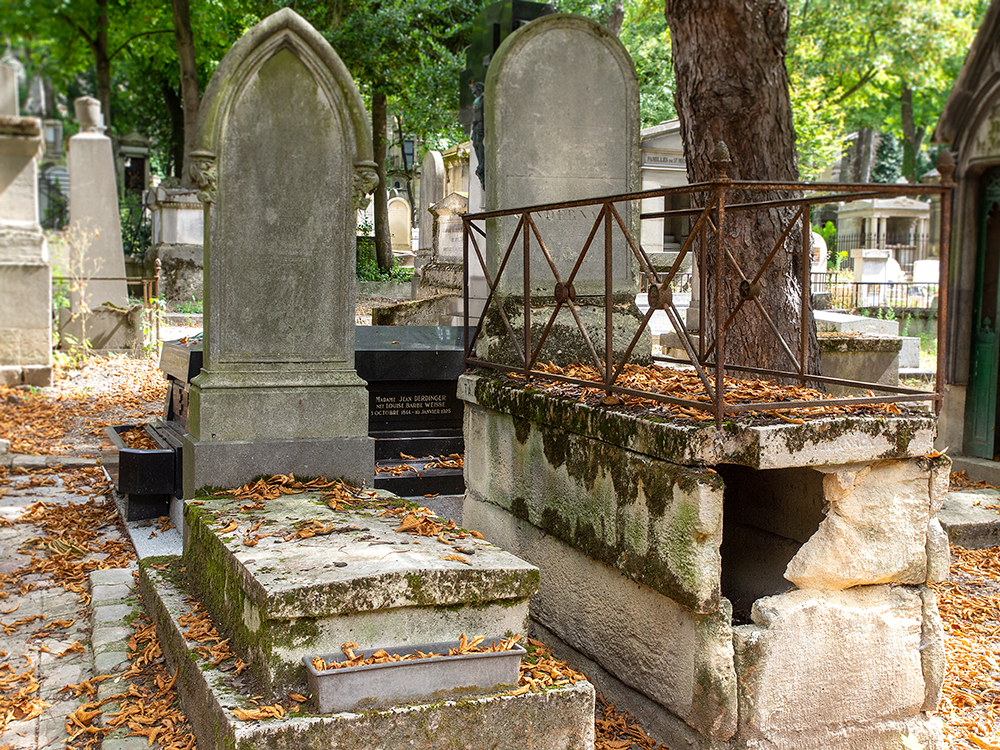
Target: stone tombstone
{"x": 562, "y": 124}
{"x": 8, "y": 91}
{"x": 400, "y": 224}
{"x": 177, "y": 242}
{"x": 25, "y": 274}
{"x": 432, "y": 189}
{"x": 95, "y": 221}
{"x": 448, "y": 213}
{"x": 283, "y": 162}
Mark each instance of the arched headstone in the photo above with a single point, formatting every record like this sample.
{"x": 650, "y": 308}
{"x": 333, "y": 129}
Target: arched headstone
{"x": 284, "y": 160}
{"x": 562, "y": 124}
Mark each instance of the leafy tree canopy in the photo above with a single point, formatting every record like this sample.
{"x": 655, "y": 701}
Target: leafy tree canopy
{"x": 882, "y": 64}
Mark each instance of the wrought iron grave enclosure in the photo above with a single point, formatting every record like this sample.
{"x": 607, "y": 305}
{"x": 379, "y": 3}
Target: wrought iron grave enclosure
{"x": 707, "y": 355}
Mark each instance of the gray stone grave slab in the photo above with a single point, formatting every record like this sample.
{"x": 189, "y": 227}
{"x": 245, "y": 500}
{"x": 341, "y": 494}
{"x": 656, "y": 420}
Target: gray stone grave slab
{"x": 364, "y": 582}
{"x": 561, "y": 121}
{"x": 278, "y": 391}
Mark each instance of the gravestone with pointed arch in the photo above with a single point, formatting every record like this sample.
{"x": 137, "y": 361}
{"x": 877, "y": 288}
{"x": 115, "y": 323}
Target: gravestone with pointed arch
{"x": 284, "y": 161}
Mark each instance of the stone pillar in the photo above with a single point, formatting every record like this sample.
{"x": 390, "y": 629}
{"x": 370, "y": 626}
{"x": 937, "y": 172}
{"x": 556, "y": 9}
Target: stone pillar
{"x": 278, "y": 392}
{"x": 95, "y": 226}
{"x": 178, "y": 232}
{"x": 432, "y": 180}
{"x": 561, "y": 122}
{"x": 8, "y": 91}
{"x": 25, "y": 275}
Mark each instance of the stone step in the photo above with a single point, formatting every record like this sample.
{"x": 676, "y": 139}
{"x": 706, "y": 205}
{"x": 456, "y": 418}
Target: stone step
{"x": 282, "y": 600}
{"x": 561, "y": 718}
{"x": 972, "y": 517}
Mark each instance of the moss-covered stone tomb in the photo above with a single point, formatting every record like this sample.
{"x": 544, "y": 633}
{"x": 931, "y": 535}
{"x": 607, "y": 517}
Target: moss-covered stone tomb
{"x": 759, "y": 587}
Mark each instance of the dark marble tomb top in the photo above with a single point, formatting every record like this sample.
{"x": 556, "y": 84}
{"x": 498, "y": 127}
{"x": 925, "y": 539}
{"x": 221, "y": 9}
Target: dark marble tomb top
{"x": 393, "y": 353}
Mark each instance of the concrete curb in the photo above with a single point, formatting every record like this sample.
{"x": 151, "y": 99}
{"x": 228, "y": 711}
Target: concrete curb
{"x": 114, "y": 604}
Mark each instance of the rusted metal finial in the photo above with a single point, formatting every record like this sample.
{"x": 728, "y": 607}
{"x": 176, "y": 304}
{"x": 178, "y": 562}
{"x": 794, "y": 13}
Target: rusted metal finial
{"x": 721, "y": 161}
{"x": 946, "y": 166}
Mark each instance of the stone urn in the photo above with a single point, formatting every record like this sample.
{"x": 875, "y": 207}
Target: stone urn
{"x": 88, "y": 113}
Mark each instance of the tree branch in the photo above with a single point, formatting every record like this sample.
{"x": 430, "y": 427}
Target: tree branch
{"x": 131, "y": 39}
{"x": 79, "y": 29}
{"x": 860, "y": 84}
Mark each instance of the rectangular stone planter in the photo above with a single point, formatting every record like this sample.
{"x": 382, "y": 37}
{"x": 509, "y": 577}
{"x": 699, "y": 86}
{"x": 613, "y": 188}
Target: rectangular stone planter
{"x": 144, "y": 478}
{"x": 393, "y": 683}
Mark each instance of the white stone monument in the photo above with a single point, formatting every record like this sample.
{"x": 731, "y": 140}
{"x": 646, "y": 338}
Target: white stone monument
{"x": 25, "y": 274}
{"x": 400, "y": 230}
{"x": 561, "y": 124}
{"x": 93, "y": 211}
{"x": 278, "y": 391}
{"x": 177, "y": 241}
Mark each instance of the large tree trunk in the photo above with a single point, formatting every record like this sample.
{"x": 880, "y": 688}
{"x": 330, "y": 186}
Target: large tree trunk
{"x": 913, "y": 137}
{"x": 102, "y": 61}
{"x": 173, "y": 104}
{"x": 731, "y": 84}
{"x": 184, "y": 38}
{"x": 383, "y": 242}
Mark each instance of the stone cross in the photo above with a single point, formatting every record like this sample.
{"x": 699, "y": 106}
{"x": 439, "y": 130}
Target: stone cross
{"x": 284, "y": 161}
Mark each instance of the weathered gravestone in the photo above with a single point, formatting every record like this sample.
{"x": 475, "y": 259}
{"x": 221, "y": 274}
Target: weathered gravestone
{"x": 401, "y": 230}
{"x": 432, "y": 186}
{"x": 284, "y": 161}
{"x": 25, "y": 290}
{"x": 562, "y": 124}
{"x": 93, "y": 208}
{"x": 92, "y": 255}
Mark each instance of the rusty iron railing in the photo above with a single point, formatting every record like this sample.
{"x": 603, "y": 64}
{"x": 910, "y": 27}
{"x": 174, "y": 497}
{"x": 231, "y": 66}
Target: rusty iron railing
{"x": 709, "y": 218}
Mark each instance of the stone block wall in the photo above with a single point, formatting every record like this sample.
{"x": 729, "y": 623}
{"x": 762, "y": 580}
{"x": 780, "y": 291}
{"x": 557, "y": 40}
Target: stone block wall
{"x": 744, "y": 591}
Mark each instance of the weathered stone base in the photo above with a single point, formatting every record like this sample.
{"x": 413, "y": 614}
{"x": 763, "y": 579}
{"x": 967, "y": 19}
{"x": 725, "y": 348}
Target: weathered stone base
{"x": 836, "y": 664}
{"x": 282, "y": 600}
{"x": 426, "y": 311}
{"x": 679, "y": 661}
{"x": 564, "y": 343}
{"x": 181, "y": 271}
{"x": 225, "y": 464}
{"x": 39, "y": 376}
{"x": 561, "y": 719}
{"x": 644, "y": 551}
{"x": 106, "y": 329}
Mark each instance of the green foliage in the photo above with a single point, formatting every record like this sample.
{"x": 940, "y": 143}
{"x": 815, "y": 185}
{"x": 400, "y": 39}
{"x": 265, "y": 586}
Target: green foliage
{"x": 888, "y": 162}
{"x": 368, "y": 270}
{"x": 850, "y": 63}
{"x": 190, "y": 307}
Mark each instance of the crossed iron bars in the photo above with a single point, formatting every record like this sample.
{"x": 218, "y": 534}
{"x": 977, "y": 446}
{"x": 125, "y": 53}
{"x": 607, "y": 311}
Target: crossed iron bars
{"x": 709, "y": 219}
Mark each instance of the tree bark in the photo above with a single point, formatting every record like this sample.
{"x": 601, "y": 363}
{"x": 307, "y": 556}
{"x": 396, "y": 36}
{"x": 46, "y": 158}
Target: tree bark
{"x": 383, "y": 242}
{"x": 913, "y": 137}
{"x": 409, "y": 170}
{"x": 174, "y": 108}
{"x": 102, "y": 61}
{"x": 732, "y": 86}
{"x": 184, "y": 38}
{"x": 616, "y": 18}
